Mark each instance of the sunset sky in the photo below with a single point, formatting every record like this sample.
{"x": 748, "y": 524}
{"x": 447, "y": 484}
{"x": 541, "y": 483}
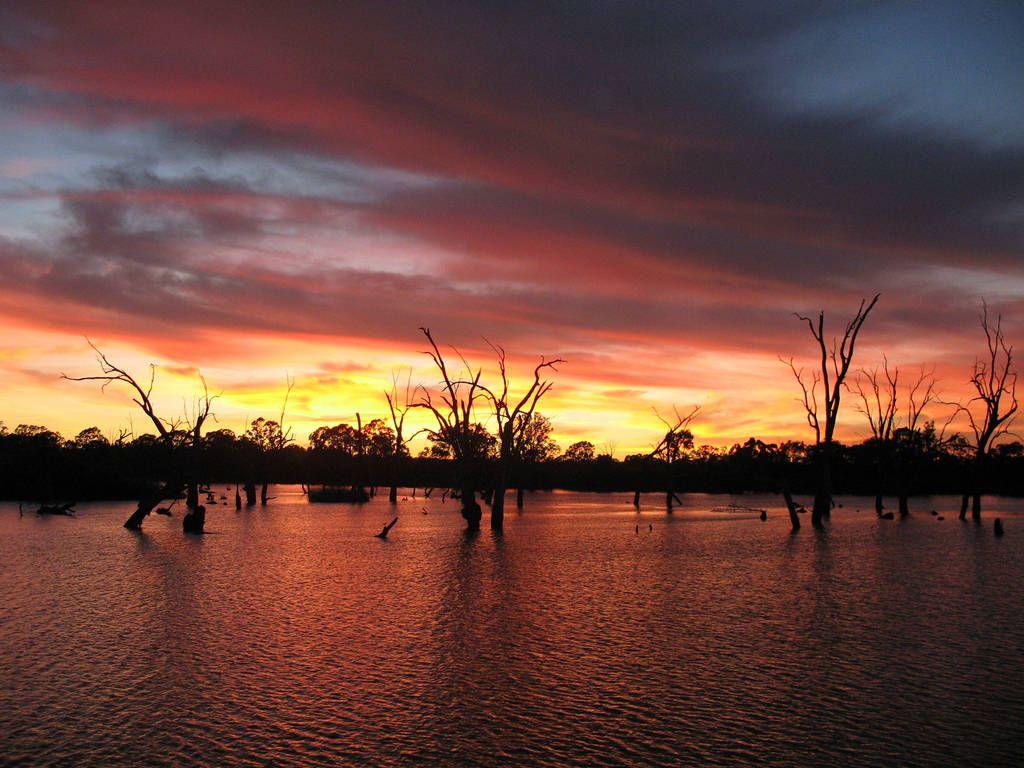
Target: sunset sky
{"x": 646, "y": 190}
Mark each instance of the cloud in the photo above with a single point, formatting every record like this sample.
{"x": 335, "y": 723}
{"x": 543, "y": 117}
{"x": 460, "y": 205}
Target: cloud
{"x": 633, "y": 186}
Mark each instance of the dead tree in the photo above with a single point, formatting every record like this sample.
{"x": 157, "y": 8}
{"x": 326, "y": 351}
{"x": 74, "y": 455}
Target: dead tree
{"x": 513, "y": 418}
{"x": 195, "y": 519}
{"x": 879, "y": 399}
{"x": 909, "y": 441}
{"x": 895, "y": 440}
{"x": 279, "y": 440}
{"x": 670, "y": 449}
{"x": 822, "y": 415}
{"x": 992, "y": 410}
{"x": 167, "y": 430}
{"x": 399, "y": 408}
{"x": 455, "y": 429}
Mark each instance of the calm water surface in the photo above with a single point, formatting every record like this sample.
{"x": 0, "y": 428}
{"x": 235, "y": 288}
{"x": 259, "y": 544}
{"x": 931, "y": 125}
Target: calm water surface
{"x": 291, "y": 636}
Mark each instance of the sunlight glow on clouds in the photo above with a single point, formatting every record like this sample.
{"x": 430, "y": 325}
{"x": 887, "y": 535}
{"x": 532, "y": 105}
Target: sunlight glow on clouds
{"x": 615, "y": 185}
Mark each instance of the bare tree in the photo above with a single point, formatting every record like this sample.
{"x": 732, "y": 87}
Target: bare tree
{"x": 895, "y": 437}
{"x": 278, "y": 438}
{"x": 670, "y": 449}
{"x": 168, "y": 431}
{"x": 822, "y": 411}
{"x": 877, "y": 391}
{"x": 195, "y": 519}
{"x": 453, "y": 409}
{"x": 911, "y": 440}
{"x": 992, "y": 410}
{"x": 399, "y": 407}
{"x": 513, "y": 418}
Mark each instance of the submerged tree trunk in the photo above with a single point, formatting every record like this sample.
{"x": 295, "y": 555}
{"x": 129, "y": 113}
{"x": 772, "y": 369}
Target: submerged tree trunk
{"x": 192, "y": 495}
{"x": 238, "y": 498}
{"x": 250, "y": 494}
{"x": 975, "y": 487}
{"x": 393, "y": 494}
{"x": 670, "y": 493}
{"x": 823, "y": 496}
{"x": 964, "y": 501}
{"x": 904, "y": 505}
{"x": 195, "y": 520}
{"x": 879, "y": 506}
{"x": 519, "y": 497}
{"x": 794, "y": 516}
{"x": 496, "y": 495}
{"x": 145, "y": 506}
{"x": 822, "y": 508}
{"x": 636, "y": 499}
{"x": 263, "y": 494}
{"x": 498, "y": 499}
{"x": 471, "y": 511}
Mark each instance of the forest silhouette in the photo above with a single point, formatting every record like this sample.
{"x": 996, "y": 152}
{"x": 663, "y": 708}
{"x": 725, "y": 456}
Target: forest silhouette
{"x": 487, "y": 436}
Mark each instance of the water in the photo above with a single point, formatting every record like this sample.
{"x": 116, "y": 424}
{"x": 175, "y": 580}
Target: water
{"x": 291, "y": 636}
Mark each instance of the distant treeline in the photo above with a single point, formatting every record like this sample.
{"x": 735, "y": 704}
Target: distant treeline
{"x": 37, "y": 464}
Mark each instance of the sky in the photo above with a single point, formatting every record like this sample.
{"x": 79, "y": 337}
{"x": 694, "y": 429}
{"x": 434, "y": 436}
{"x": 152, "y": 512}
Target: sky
{"x": 647, "y": 190}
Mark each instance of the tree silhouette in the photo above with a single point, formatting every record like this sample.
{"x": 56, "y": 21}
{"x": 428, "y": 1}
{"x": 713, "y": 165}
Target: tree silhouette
{"x": 399, "y": 405}
{"x": 453, "y": 407}
{"x": 171, "y": 437}
{"x": 678, "y": 439}
{"x": 895, "y": 438}
{"x": 993, "y": 408}
{"x": 534, "y": 447}
{"x": 822, "y": 411}
{"x": 580, "y": 451}
{"x": 513, "y": 416}
{"x": 877, "y": 391}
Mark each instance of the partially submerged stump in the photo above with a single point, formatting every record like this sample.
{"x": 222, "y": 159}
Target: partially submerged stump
{"x": 997, "y": 527}
{"x": 793, "y": 509}
{"x": 194, "y": 520}
{"x": 386, "y": 529}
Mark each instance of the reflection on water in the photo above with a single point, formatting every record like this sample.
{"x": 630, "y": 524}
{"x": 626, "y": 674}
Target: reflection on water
{"x": 291, "y": 636}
